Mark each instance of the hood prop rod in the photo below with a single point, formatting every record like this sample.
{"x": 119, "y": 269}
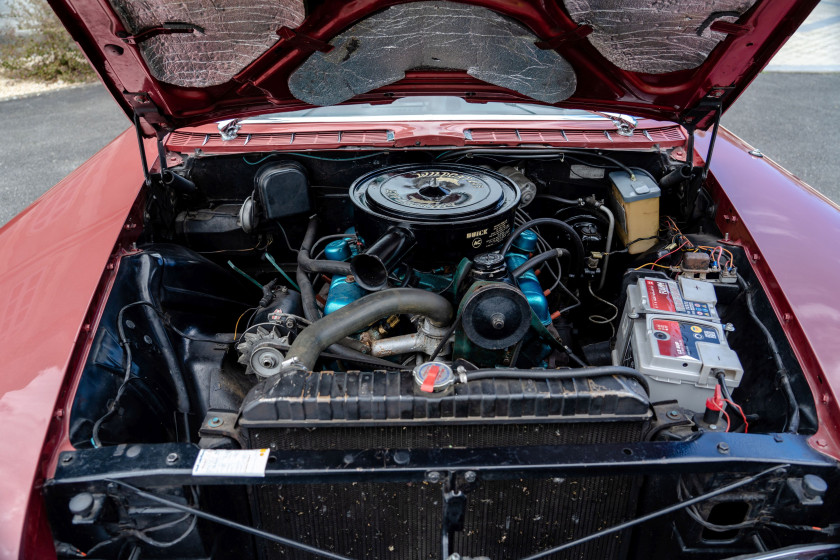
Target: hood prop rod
{"x": 696, "y": 185}
{"x": 146, "y": 175}
{"x": 168, "y": 178}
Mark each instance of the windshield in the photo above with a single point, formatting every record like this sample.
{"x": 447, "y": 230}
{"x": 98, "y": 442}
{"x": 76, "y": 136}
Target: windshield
{"x": 431, "y": 108}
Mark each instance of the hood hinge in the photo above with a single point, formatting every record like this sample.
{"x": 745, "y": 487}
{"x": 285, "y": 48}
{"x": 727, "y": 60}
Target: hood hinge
{"x": 161, "y": 134}
{"x": 144, "y": 107}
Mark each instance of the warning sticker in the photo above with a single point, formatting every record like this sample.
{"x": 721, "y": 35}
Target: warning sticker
{"x": 665, "y": 296}
{"x": 677, "y": 339}
{"x": 231, "y": 462}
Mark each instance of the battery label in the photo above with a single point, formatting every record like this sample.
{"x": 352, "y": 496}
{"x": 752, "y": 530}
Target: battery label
{"x": 677, "y": 339}
{"x": 665, "y": 296}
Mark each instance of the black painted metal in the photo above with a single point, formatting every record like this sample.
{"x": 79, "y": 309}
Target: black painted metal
{"x": 147, "y": 465}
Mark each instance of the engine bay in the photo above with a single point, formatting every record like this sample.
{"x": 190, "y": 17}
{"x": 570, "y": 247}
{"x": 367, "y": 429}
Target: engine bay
{"x": 432, "y": 300}
{"x": 473, "y": 261}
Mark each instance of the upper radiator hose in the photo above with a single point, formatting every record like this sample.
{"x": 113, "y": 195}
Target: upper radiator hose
{"x": 363, "y": 312}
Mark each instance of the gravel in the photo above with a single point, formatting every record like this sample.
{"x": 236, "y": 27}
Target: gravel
{"x": 15, "y": 89}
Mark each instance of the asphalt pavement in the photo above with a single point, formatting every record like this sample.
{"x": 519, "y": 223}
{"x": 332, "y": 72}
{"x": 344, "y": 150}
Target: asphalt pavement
{"x": 47, "y": 136}
{"x": 791, "y": 117}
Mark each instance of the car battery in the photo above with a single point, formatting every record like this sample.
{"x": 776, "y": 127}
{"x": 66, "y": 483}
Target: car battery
{"x": 688, "y": 298}
{"x": 672, "y": 334}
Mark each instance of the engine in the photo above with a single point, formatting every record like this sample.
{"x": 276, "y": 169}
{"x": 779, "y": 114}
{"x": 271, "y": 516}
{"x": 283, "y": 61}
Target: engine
{"x": 438, "y": 276}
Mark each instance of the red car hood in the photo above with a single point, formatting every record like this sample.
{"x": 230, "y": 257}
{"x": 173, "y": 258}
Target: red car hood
{"x": 187, "y": 63}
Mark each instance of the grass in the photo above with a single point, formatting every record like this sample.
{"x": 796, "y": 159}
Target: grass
{"x": 40, "y": 49}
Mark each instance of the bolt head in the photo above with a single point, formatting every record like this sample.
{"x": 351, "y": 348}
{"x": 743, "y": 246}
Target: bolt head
{"x": 713, "y": 426}
{"x": 215, "y": 422}
{"x": 470, "y": 476}
{"x": 434, "y": 477}
{"x": 498, "y": 321}
{"x": 172, "y": 458}
{"x": 673, "y": 414}
{"x": 723, "y": 448}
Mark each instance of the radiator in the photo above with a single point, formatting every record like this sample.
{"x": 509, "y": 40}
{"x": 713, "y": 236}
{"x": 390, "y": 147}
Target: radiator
{"x": 505, "y": 519}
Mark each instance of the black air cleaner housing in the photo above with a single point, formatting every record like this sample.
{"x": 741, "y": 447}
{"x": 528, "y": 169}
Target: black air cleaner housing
{"x": 453, "y": 211}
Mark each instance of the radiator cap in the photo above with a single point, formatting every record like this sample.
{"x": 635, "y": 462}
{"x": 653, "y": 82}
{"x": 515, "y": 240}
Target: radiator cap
{"x": 433, "y": 377}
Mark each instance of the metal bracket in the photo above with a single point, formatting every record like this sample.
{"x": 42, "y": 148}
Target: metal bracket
{"x": 454, "y": 510}
{"x": 668, "y": 415}
{"x": 222, "y": 424}
{"x": 700, "y": 454}
{"x": 731, "y": 28}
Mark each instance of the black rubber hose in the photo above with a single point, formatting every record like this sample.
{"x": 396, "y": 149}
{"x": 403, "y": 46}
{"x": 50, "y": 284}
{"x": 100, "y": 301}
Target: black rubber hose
{"x": 307, "y": 296}
{"x": 675, "y": 177}
{"x": 781, "y": 371}
{"x": 599, "y": 371}
{"x": 310, "y": 309}
{"x": 566, "y": 201}
{"x": 576, "y": 241}
{"x": 537, "y": 260}
{"x": 311, "y": 265}
{"x": 363, "y": 312}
